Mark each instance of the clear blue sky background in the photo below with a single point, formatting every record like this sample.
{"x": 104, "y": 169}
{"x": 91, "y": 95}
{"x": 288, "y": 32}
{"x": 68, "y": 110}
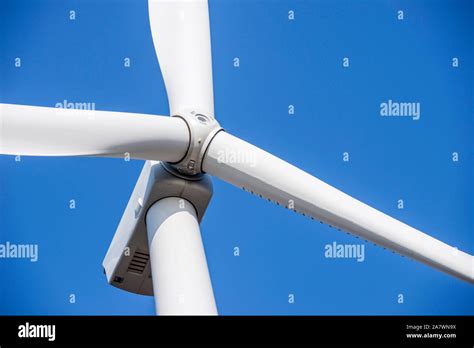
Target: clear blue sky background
{"x": 282, "y": 62}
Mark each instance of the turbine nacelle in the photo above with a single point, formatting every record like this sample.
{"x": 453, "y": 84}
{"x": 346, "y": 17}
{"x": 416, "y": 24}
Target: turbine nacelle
{"x": 126, "y": 264}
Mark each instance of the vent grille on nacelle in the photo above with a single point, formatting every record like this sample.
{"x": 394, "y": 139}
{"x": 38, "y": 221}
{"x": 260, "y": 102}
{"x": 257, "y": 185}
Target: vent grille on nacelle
{"x": 138, "y": 263}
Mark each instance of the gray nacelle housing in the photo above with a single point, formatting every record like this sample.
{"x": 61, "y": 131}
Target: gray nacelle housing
{"x": 126, "y": 264}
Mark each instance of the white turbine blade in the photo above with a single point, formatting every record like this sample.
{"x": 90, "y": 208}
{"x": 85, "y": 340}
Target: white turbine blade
{"x": 255, "y": 170}
{"x": 41, "y": 131}
{"x": 177, "y": 259}
{"x": 181, "y": 36}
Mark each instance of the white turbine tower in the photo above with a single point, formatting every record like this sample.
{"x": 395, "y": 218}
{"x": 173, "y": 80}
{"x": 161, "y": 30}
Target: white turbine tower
{"x": 157, "y": 249}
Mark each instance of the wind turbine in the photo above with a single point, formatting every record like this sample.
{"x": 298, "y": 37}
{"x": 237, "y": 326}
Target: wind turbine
{"x": 157, "y": 249}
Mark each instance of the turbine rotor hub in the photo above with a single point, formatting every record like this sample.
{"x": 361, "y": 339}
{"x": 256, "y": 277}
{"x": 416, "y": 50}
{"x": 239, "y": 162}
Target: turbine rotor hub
{"x": 202, "y": 129}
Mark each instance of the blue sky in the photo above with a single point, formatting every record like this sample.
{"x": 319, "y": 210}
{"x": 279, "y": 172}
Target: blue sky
{"x": 282, "y": 62}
